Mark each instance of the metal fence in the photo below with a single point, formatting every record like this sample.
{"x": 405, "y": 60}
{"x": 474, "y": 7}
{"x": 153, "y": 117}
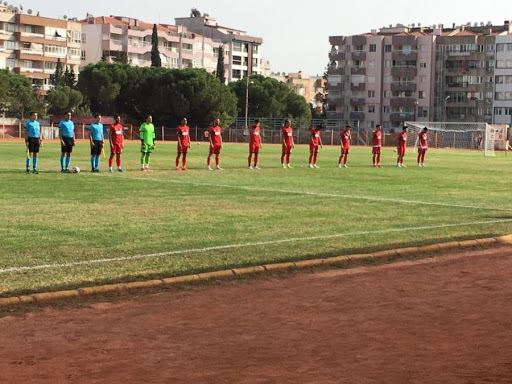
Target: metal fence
{"x": 235, "y": 133}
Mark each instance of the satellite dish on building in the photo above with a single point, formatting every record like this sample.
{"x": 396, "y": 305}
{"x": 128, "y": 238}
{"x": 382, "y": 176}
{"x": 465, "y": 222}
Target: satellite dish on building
{"x": 29, "y": 11}
{"x": 65, "y": 17}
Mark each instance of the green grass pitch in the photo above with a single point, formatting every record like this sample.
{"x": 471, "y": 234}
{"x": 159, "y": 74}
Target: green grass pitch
{"x": 59, "y": 231}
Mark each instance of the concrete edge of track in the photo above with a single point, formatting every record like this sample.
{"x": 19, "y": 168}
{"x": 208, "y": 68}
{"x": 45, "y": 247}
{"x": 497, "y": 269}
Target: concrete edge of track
{"x": 47, "y": 297}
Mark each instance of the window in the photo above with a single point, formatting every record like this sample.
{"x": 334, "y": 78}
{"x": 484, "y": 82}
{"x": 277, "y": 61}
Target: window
{"x": 503, "y": 95}
{"x": 421, "y": 95}
{"x": 423, "y": 65}
{"x": 388, "y": 48}
{"x": 237, "y": 74}
{"x": 50, "y": 65}
{"x": 385, "y": 94}
{"x": 84, "y": 38}
{"x": 504, "y": 79}
{"x": 503, "y": 64}
{"x": 10, "y": 27}
{"x": 74, "y": 52}
{"x": 254, "y": 62}
{"x": 371, "y": 94}
{"x": 75, "y": 37}
{"x": 10, "y": 63}
{"x": 196, "y": 63}
{"x": 26, "y": 46}
{"x": 237, "y": 60}
{"x": 28, "y": 28}
{"x": 173, "y": 62}
{"x": 237, "y": 46}
{"x": 358, "y": 47}
{"x": 82, "y": 56}
{"x": 386, "y": 109}
{"x": 373, "y": 48}
{"x": 9, "y": 44}
{"x": 371, "y": 109}
{"x": 255, "y": 49}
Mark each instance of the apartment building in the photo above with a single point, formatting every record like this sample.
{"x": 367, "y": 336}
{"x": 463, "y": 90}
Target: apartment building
{"x": 31, "y": 45}
{"x": 408, "y": 73}
{"x": 242, "y": 51}
{"x": 114, "y": 36}
{"x": 502, "y": 112}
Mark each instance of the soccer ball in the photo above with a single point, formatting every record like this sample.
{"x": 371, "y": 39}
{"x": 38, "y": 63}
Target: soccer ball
{"x": 76, "y": 170}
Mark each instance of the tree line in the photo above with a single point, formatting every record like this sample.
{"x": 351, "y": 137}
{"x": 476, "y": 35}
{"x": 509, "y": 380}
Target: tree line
{"x": 167, "y": 94}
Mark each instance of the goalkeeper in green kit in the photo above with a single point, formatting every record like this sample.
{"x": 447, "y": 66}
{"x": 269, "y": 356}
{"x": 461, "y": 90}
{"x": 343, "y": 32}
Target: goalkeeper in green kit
{"x": 147, "y": 139}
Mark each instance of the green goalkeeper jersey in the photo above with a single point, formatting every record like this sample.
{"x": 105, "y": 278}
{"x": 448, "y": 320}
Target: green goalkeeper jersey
{"x": 147, "y": 133}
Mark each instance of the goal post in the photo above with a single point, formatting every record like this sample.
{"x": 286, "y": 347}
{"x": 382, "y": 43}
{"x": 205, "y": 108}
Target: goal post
{"x": 470, "y": 136}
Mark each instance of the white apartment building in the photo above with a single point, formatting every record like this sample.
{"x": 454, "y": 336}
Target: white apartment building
{"x": 242, "y": 51}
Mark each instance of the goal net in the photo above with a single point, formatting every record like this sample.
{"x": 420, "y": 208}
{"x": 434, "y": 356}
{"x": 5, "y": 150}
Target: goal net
{"x": 471, "y": 136}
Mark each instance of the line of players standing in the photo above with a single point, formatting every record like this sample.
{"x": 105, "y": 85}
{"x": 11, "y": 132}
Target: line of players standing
{"x": 33, "y": 140}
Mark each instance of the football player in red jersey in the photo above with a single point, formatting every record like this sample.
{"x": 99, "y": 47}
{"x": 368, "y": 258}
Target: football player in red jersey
{"x": 254, "y": 144}
{"x": 422, "y": 146}
{"x": 183, "y": 133}
{"x": 401, "y": 146}
{"x": 215, "y": 136}
{"x": 314, "y": 142}
{"x": 345, "y": 137}
{"x": 116, "y": 138}
{"x": 377, "y": 145}
{"x": 288, "y": 143}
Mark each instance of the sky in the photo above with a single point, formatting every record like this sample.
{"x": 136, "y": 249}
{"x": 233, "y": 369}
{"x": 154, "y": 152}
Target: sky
{"x": 295, "y": 33}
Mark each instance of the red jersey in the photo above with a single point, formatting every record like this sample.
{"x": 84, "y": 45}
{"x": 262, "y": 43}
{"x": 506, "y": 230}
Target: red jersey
{"x": 423, "y": 139}
{"x": 402, "y": 139}
{"x": 255, "y": 137}
{"x": 377, "y": 138}
{"x": 183, "y": 135}
{"x": 345, "y": 138}
{"x": 116, "y": 134}
{"x": 315, "y": 136}
{"x": 287, "y": 136}
{"x": 215, "y": 135}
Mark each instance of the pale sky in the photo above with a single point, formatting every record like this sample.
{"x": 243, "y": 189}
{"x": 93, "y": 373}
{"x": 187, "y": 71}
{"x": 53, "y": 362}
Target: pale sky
{"x": 295, "y": 33}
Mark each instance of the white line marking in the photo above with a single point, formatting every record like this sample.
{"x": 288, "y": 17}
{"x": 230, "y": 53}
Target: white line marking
{"x": 323, "y": 194}
{"x": 241, "y": 245}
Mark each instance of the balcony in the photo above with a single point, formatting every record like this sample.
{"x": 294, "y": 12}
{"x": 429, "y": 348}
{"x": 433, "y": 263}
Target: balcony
{"x": 399, "y": 117}
{"x": 332, "y": 70}
{"x": 404, "y": 55}
{"x": 406, "y": 102}
{"x": 359, "y": 102}
{"x": 335, "y": 55}
{"x": 461, "y": 103}
{"x": 358, "y": 55}
{"x": 404, "y": 71}
{"x": 359, "y": 116}
{"x": 358, "y": 87}
{"x": 463, "y": 86}
{"x": 403, "y": 87}
{"x": 358, "y": 71}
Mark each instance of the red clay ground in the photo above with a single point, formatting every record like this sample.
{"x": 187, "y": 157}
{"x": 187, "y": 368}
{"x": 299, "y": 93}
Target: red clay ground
{"x": 442, "y": 321}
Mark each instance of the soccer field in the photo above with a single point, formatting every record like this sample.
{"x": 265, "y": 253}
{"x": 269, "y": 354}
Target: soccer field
{"x": 64, "y": 230}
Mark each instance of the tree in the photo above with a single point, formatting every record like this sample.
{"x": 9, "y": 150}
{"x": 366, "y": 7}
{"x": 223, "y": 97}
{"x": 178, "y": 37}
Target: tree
{"x": 270, "y": 98}
{"x": 156, "y": 61}
{"x": 16, "y": 94}
{"x": 62, "y": 99}
{"x": 220, "y": 73}
{"x": 57, "y": 78}
{"x": 168, "y": 94}
{"x": 69, "y": 78}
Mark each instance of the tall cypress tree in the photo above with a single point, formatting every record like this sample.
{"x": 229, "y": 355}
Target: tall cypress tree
{"x": 220, "y": 66}
{"x": 57, "y": 78}
{"x": 155, "y": 53}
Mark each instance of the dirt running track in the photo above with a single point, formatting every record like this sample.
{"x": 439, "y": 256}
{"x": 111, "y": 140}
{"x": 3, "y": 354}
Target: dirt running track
{"x": 446, "y": 320}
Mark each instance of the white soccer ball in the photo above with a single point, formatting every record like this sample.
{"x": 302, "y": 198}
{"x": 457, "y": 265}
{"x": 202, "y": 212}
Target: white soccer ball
{"x": 76, "y": 170}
